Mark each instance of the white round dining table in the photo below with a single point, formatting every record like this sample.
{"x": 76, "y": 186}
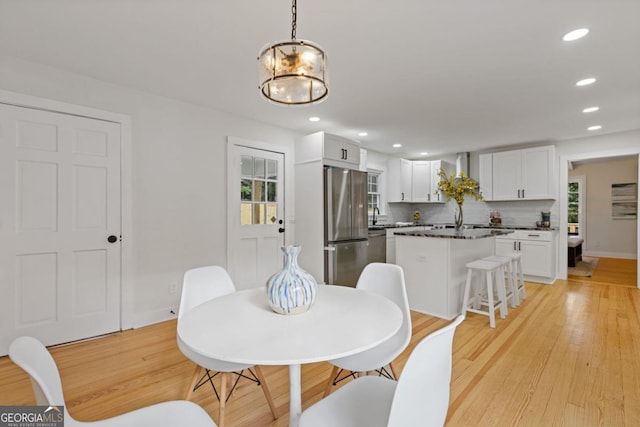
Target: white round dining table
{"x": 241, "y": 327}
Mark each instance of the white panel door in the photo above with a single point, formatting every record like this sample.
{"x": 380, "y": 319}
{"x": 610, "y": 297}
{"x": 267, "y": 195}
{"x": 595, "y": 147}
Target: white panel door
{"x": 256, "y": 215}
{"x": 60, "y": 193}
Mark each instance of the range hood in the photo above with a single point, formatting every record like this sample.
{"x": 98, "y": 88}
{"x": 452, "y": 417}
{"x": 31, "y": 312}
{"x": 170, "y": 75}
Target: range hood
{"x": 462, "y": 163}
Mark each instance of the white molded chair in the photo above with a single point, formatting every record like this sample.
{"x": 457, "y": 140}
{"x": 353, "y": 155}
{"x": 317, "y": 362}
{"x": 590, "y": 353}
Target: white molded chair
{"x": 386, "y": 280}
{"x": 201, "y": 285}
{"x": 419, "y": 398}
{"x": 35, "y": 359}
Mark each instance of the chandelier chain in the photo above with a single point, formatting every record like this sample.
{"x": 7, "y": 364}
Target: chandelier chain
{"x": 293, "y": 19}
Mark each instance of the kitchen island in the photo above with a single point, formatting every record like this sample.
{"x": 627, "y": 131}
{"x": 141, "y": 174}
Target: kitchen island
{"x": 434, "y": 266}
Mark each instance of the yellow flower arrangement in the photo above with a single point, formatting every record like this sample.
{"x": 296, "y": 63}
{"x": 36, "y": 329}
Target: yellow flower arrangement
{"x": 456, "y": 187}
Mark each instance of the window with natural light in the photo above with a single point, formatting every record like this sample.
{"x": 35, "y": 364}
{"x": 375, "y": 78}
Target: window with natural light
{"x": 373, "y": 191}
{"x": 574, "y": 206}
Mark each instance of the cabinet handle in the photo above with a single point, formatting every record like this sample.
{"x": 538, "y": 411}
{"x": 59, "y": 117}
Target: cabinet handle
{"x": 401, "y": 196}
{"x": 523, "y": 193}
{"x": 429, "y": 197}
{"x": 518, "y": 193}
{"x": 514, "y": 246}
{"x": 519, "y": 246}
{"x": 533, "y": 235}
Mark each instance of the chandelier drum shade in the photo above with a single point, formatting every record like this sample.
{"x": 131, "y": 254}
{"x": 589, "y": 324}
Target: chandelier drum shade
{"x": 293, "y": 72}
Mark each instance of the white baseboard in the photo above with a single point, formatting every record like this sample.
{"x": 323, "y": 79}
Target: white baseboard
{"x": 151, "y": 317}
{"x": 610, "y": 255}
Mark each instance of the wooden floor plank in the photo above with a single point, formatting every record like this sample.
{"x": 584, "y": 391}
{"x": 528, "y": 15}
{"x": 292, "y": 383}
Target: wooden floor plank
{"x": 569, "y": 355}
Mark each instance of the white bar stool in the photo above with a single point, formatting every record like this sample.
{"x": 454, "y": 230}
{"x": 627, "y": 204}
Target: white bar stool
{"x": 521, "y": 292}
{"x": 511, "y": 282}
{"x": 494, "y": 274}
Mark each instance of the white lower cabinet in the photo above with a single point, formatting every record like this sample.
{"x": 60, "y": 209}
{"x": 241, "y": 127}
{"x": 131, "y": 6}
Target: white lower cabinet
{"x": 538, "y": 253}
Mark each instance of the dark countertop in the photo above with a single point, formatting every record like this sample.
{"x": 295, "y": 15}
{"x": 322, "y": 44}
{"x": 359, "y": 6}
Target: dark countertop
{"x": 521, "y": 227}
{"x": 467, "y": 226}
{"x": 449, "y": 233}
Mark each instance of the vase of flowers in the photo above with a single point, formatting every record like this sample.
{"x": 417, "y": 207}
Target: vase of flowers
{"x": 456, "y": 187}
{"x": 291, "y": 290}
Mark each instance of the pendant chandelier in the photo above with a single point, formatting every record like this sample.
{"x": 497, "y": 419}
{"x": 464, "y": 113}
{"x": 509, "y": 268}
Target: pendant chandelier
{"x": 293, "y": 72}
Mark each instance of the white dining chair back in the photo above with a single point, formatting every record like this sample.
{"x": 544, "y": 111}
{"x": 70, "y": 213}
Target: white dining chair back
{"x": 202, "y": 284}
{"x": 34, "y": 358}
{"x": 422, "y": 395}
{"x": 420, "y": 398}
{"x": 386, "y": 280}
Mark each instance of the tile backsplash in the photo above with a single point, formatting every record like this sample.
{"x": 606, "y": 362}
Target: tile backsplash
{"x": 518, "y": 212}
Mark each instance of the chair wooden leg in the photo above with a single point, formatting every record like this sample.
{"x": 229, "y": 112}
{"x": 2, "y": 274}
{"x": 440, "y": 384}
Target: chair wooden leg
{"x": 224, "y": 382}
{"x": 394, "y": 371}
{"x": 327, "y": 389}
{"x": 196, "y": 377}
{"x": 266, "y": 391}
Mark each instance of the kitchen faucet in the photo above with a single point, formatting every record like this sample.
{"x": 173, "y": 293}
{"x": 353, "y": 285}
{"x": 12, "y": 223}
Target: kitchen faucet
{"x": 373, "y": 220}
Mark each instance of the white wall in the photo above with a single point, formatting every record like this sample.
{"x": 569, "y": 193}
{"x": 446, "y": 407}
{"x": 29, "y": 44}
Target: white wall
{"x": 179, "y": 176}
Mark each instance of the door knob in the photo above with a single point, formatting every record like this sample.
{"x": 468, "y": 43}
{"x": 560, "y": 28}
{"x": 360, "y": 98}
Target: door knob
{"x": 112, "y": 239}
{"x": 280, "y": 230}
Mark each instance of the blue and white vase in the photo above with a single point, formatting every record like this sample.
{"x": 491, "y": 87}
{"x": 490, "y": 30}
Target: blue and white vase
{"x": 291, "y": 290}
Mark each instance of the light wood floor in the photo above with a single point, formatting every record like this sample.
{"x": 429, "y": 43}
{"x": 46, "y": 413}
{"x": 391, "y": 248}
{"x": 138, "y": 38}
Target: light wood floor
{"x": 568, "y": 356}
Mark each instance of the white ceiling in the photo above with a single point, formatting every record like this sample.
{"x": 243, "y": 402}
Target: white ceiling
{"x": 437, "y": 76}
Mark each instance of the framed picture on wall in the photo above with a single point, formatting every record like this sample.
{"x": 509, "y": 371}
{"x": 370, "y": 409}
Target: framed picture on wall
{"x": 624, "y": 191}
{"x": 624, "y": 210}
{"x": 624, "y": 200}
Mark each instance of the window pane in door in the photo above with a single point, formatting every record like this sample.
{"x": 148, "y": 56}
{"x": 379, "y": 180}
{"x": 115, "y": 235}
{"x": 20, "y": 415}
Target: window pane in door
{"x": 272, "y": 169}
{"x": 245, "y": 213}
{"x": 271, "y": 192}
{"x": 258, "y": 191}
{"x": 246, "y": 166}
{"x": 260, "y": 168}
{"x": 272, "y": 213}
{"x": 258, "y": 213}
{"x": 245, "y": 189}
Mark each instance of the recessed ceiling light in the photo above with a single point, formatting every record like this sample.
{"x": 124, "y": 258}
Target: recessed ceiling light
{"x": 590, "y": 109}
{"x": 596, "y": 127}
{"x": 424, "y": 153}
{"x": 314, "y": 119}
{"x": 363, "y": 134}
{"x": 585, "y": 82}
{"x": 397, "y": 145}
{"x": 575, "y": 34}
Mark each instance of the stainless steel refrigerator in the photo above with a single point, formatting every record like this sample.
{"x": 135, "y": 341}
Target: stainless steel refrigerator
{"x": 345, "y": 225}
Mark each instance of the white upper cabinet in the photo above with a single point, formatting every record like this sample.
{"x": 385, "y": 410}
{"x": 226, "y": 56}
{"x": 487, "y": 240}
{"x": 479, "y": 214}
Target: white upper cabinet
{"x": 333, "y": 150}
{"x": 486, "y": 176}
{"x": 416, "y": 181}
{"x": 519, "y": 174}
{"x": 399, "y": 180}
{"x": 421, "y": 181}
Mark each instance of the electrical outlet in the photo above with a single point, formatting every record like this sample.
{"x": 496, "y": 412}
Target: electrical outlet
{"x": 173, "y": 288}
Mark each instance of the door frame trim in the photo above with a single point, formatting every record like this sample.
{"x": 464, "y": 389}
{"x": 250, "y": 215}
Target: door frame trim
{"x": 126, "y": 183}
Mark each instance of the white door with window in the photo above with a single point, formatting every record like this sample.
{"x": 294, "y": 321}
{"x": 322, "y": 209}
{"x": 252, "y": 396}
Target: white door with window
{"x": 59, "y": 226}
{"x": 255, "y": 214}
